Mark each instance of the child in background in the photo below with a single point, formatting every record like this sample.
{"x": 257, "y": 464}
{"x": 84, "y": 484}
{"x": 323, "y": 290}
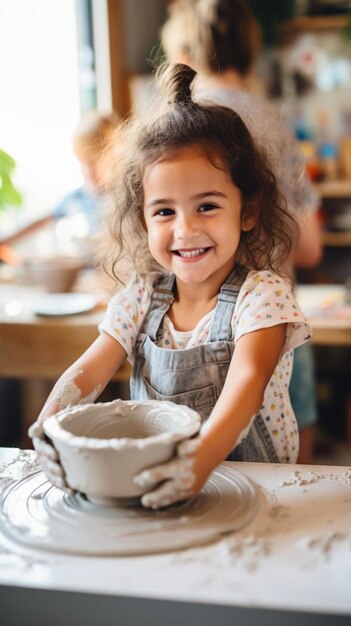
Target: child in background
{"x": 206, "y": 320}
{"x": 78, "y": 213}
{"x": 89, "y": 140}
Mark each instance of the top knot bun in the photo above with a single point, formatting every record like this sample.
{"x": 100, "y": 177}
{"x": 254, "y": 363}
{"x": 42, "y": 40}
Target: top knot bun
{"x": 176, "y": 81}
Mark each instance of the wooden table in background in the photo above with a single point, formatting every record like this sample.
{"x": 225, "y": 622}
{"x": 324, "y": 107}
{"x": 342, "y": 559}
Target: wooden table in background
{"x": 327, "y": 310}
{"x": 43, "y": 347}
{"x": 38, "y": 349}
{"x": 33, "y": 346}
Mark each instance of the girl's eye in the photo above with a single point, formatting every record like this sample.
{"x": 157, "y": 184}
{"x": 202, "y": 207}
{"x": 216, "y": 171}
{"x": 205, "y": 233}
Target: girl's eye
{"x": 164, "y": 212}
{"x": 207, "y": 207}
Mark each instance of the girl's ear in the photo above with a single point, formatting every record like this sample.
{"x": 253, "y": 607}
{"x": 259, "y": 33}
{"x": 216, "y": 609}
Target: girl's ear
{"x": 249, "y": 217}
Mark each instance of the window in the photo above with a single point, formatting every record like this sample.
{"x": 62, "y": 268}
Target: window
{"x": 40, "y": 99}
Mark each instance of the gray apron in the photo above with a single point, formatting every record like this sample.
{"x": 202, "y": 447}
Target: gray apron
{"x": 194, "y": 376}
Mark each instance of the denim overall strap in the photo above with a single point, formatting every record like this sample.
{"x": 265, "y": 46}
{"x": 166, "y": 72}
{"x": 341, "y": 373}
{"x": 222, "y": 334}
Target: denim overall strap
{"x": 221, "y": 327}
{"x": 194, "y": 376}
{"x": 162, "y": 298}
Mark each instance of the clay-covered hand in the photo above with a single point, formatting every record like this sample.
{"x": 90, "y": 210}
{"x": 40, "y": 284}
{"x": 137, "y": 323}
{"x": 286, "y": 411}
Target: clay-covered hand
{"x": 47, "y": 455}
{"x": 183, "y": 476}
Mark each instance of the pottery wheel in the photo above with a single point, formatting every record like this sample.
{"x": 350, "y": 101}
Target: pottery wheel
{"x": 35, "y": 514}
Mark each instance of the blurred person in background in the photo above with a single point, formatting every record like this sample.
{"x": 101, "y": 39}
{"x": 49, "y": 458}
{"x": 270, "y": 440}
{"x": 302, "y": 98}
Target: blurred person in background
{"x": 78, "y": 214}
{"x": 90, "y": 140}
{"x": 221, "y": 40}
{"x": 82, "y": 206}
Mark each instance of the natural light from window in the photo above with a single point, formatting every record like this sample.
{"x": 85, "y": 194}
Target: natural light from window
{"x": 39, "y": 101}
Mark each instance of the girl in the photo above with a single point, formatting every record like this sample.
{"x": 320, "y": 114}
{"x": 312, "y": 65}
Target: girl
{"x": 210, "y": 323}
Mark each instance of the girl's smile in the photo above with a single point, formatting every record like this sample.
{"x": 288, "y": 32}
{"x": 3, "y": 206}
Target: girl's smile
{"x": 192, "y": 254}
{"x": 192, "y": 212}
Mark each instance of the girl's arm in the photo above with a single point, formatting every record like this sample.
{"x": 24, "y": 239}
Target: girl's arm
{"x": 254, "y": 360}
{"x": 80, "y": 384}
{"x": 83, "y": 381}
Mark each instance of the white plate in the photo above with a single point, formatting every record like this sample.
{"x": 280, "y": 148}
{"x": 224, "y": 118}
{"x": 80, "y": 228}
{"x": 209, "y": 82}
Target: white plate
{"x": 53, "y": 304}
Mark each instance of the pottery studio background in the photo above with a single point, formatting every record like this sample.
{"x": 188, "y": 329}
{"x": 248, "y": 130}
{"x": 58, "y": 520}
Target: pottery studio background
{"x": 61, "y": 59}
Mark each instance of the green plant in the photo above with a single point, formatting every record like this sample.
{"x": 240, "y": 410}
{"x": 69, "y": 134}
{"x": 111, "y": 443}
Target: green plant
{"x": 9, "y": 195}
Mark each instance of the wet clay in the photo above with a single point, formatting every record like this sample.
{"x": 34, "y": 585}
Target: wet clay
{"x": 103, "y": 446}
{"x": 37, "y": 515}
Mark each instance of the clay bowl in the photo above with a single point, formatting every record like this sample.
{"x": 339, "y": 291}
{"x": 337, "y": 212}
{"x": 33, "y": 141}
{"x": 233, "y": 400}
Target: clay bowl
{"x": 55, "y": 274}
{"x": 103, "y": 446}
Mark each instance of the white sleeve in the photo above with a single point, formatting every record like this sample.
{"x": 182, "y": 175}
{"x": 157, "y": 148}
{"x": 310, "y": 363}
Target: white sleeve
{"x": 265, "y": 299}
{"x": 126, "y": 312}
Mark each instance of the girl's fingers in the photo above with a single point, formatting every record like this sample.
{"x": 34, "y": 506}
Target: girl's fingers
{"x": 56, "y": 481}
{"x": 156, "y": 474}
{"x": 55, "y": 475}
{"x": 49, "y": 459}
{"x": 35, "y": 430}
{"x": 188, "y": 447}
{"x": 165, "y": 495}
{"x": 60, "y": 483}
{"x": 51, "y": 467}
{"x": 45, "y": 449}
{"x": 180, "y": 471}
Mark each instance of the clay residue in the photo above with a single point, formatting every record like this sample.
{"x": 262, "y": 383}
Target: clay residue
{"x": 69, "y": 394}
{"x": 20, "y": 466}
{"x": 345, "y": 477}
{"x": 279, "y": 512}
{"x": 178, "y": 478}
{"x": 247, "y": 551}
{"x": 323, "y": 544}
{"x": 303, "y": 478}
{"x": 9, "y": 559}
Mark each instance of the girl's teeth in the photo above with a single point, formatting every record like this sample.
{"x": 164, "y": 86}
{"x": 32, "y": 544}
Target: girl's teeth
{"x": 192, "y": 252}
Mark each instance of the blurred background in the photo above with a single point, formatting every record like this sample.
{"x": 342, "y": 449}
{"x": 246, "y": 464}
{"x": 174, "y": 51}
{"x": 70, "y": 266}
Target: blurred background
{"x": 61, "y": 59}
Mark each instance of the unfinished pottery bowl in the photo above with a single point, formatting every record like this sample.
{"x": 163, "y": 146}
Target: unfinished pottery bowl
{"x": 103, "y": 446}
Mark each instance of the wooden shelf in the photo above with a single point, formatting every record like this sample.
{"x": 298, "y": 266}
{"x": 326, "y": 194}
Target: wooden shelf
{"x": 314, "y": 23}
{"x": 334, "y": 189}
{"x": 341, "y": 239}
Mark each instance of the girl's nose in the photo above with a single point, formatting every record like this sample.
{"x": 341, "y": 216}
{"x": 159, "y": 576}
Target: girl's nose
{"x": 186, "y": 226}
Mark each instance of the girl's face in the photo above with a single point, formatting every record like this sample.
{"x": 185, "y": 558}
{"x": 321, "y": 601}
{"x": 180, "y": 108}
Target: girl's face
{"x": 192, "y": 212}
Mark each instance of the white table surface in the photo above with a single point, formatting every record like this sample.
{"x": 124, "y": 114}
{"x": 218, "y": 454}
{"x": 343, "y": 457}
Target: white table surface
{"x": 295, "y": 555}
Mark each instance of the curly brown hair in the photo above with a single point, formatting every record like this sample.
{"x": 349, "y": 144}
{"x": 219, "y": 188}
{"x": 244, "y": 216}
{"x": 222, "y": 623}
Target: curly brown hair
{"x": 173, "y": 123}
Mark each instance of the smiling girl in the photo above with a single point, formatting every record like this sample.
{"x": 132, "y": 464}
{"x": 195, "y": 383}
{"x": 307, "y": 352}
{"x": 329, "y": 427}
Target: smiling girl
{"x": 206, "y": 319}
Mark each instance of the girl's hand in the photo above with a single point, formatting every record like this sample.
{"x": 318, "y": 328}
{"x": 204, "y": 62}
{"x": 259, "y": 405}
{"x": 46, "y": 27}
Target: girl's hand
{"x": 80, "y": 384}
{"x": 184, "y": 476}
{"x": 48, "y": 457}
